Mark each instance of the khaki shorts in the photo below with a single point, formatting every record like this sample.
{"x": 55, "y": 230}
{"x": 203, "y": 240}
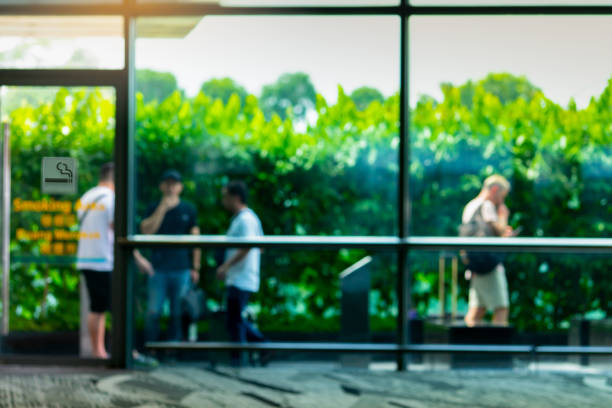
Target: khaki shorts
{"x": 489, "y": 291}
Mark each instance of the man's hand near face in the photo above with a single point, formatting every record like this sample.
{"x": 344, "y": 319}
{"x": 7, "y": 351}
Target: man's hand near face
{"x": 168, "y": 202}
{"x": 503, "y": 212}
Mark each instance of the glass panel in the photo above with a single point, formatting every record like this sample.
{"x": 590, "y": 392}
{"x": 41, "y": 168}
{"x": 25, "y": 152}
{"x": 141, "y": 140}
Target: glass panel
{"x": 482, "y": 105}
{"x": 509, "y": 2}
{"x": 48, "y": 308}
{"x": 289, "y": 105}
{"x": 549, "y": 296}
{"x": 319, "y": 296}
{"x": 61, "y": 42}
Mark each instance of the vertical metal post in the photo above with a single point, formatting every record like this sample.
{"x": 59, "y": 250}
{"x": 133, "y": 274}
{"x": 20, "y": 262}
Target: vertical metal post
{"x": 122, "y": 285}
{"x": 403, "y": 271}
{"x": 454, "y": 290}
{"x": 441, "y": 285}
{"x": 6, "y": 227}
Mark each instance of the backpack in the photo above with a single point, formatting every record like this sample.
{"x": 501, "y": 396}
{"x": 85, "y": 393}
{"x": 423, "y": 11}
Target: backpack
{"x": 480, "y": 262}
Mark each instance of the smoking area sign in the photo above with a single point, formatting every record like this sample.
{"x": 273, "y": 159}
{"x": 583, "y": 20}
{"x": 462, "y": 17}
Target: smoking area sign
{"x": 59, "y": 175}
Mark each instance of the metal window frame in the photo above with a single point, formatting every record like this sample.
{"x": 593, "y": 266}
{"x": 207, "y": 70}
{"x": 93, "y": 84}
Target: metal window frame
{"x": 123, "y": 82}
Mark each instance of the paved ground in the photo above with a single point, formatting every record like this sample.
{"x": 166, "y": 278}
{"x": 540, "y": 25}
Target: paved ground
{"x": 300, "y": 386}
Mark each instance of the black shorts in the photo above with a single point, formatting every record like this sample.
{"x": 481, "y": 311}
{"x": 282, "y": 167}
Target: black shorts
{"x": 99, "y": 289}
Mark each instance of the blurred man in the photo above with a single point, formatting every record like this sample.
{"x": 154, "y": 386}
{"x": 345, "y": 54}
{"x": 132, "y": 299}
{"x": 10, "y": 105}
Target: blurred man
{"x": 488, "y": 215}
{"x": 96, "y": 211}
{"x": 240, "y": 268}
{"x": 170, "y": 269}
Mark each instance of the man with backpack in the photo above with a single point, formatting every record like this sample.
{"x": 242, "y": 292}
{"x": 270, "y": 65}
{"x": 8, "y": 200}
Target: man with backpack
{"x": 96, "y": 211}
{"x": 487, "y": 216}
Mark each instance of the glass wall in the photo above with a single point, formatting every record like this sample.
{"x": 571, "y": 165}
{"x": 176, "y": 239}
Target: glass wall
{"x": 484, "y": 104}
{"x": 552, "y": 300}
{"x": 288, "y": 104}
{"x": 345, "y": 295}
{"x": 545, "y": 291}
{"x": 306, "y": 111}
{"x": 46, "y": 303}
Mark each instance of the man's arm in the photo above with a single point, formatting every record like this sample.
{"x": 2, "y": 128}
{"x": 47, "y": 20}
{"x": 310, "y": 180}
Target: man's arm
{"x": 143, "y": 264}
{"x": 245, "y": 230}
{"x": 500, "y": 226}
{"x": 197, "y": 257}
{"x": 151, "y": 224}
{"x": 238, "y": 256}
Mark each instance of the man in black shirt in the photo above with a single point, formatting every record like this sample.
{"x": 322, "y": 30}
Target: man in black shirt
{"x": 170, "y": 268}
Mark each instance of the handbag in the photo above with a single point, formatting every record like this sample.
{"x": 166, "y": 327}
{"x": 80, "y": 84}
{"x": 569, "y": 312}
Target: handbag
{"x": 193, "y": 304}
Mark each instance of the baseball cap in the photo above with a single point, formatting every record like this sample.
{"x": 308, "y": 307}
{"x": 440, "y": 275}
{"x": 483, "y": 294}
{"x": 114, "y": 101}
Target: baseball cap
{"x": 171, "y": 175}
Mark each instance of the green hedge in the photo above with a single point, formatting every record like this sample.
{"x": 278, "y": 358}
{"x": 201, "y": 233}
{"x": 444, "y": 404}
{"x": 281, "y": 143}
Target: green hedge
{"x": 338, "y": 176}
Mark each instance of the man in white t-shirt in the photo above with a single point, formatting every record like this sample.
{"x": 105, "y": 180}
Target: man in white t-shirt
{"x": 96, "y": 211}
{"x": 240, "y": 268}
{"x": 489, "y": 290}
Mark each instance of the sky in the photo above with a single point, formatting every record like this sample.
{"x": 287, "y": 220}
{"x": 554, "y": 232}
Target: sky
{"x": 255, "y": 51}
{"x": 566, "y": 56}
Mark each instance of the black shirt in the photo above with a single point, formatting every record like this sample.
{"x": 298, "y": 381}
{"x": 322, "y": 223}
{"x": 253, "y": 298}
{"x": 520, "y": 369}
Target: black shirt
{"x": 178, "y": 220}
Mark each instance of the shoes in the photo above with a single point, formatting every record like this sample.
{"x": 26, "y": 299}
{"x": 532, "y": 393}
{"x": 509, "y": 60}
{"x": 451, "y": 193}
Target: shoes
{"x": 144, "y": 361}
{"x": 264, "y": 357}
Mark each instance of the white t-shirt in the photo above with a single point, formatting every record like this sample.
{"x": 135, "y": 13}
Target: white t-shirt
{"x": 489, "y": 212}
{"x": 97, "y": 253}
{"x": 245, "y": 274}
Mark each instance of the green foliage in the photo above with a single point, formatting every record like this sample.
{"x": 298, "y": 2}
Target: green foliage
{"x": 223, "y": 88}
{"x": 292, "y": 93}
{"x": 365, "y": 95}
{"x": 155, "y": 86}
{"x": 78, "y": 123}
{"x": 507, "y": 87}
{"x": 338, "y": 176}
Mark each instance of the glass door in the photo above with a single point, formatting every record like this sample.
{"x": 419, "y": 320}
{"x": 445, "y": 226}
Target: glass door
{"x": 56, "y": 142}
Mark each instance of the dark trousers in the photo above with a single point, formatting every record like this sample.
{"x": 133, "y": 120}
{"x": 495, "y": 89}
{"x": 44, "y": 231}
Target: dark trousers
{"x": 240, "y": 330}
{"x": 171, "y": 285}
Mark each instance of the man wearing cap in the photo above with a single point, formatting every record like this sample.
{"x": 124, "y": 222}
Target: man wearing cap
{"x": 170, "y": 269}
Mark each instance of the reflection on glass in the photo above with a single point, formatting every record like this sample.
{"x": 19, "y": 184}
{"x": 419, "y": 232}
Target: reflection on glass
{"x": 485, "y": 104}
{"x": 61, "y": 42}
{"x": 288, "y": 105}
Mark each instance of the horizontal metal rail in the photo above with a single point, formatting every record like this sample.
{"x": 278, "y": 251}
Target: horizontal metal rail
{"x": 200, "y": 9}
{"x": 381, "y": 348}
{"x": 548, "y": 245}
{"x": 556, "y": 245}
{"x": 61, "y": 77}
{"x": 270, "y": 241}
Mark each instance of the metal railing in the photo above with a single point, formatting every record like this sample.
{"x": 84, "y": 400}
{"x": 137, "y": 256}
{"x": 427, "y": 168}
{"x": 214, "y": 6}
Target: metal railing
{"x": 381, "y": 243}
{"x": 385, "y": 243}
{"x": 383, "y": 348}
